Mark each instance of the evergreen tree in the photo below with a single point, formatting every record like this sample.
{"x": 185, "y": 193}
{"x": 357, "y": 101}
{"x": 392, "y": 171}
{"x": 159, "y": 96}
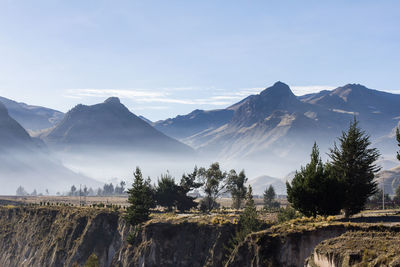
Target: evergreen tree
{"x": 236, "y": 186}
{"x": 310, "y": 191}
{"x": 331, "y": 193}
{"x": 269, "y": 198}
{"x": 353, "y": 164}
{"x": 120, "y": 189}
{"x": 73, "y": 190}
{"x": 34, "y": 193}
{"x": 213, "y": 185}
{"x": 167, "y": 192}
{"x": 187, "y": 184}
{"x": 248, "y": 220}
{"x": 108, "y": 189}
{"x": 140, "y": 199}
{"x": 21, "y": 191}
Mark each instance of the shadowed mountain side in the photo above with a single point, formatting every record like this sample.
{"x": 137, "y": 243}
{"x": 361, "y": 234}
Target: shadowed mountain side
{"x": 109, "y": 125}
{"x": 24, "y": 162}
{"x": 12, "y": 134}
{"x": 33, "y": 118}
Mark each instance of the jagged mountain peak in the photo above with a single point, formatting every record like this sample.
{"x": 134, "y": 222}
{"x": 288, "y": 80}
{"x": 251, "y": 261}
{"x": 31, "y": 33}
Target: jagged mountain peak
{"x": 112, "y": 100}
{"x": 279, "y": 89}
{"x": 257, "y": 107}
{"x": 350, "y": 89}
{"x": 109, "y": 124}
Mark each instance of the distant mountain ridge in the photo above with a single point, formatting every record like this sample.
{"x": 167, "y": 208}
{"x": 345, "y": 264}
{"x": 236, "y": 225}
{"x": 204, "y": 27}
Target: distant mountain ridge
{"x": 109, "y": 124}
{"x": 276, "y": 125}
{"x": 375, "y": 109}
{"x": 32, "y": 118}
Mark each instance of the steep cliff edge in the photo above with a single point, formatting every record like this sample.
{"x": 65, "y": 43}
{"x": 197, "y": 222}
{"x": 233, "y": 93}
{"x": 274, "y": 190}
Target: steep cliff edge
{"x": 329, "y": 244}
{"x": 375, "y": 247}
{"x": 66, "y": 236}
{"x": 31, "y": 236}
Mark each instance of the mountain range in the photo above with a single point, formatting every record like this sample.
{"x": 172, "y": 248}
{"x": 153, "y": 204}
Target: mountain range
{"x": 112, "y": 126}
{"x": 267, "y": 133}
{"x": 281, "y": 125}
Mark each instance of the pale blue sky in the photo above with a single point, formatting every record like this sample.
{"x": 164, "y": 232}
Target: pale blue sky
{"x": 165, "y": 58}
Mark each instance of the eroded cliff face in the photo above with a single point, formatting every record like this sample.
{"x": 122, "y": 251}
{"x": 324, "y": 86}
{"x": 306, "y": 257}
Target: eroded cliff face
{"x": 277, "y": 248}
{"x": 55, "y": 236}
{"x": 67, "y": 236}
{"x": 183, "y": 244}
{"x": 321, "y": 245}
{"x": 379, "y": 246}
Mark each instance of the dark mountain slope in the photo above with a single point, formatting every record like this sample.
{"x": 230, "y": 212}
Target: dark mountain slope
{"x": 32, "y": 117}
{"x": 23, "y": 162}
{"x": 109, "y": 125}
{"x": 12, "y": 134}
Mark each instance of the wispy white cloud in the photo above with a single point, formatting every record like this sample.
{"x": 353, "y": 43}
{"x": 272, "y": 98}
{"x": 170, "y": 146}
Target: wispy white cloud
{"x": 307, "y": 89}
{"x": 152, "y": 108}
{"x": 165, "y": 95}
{"x": 123, "y": 93}
{"x": 181, "y": 95}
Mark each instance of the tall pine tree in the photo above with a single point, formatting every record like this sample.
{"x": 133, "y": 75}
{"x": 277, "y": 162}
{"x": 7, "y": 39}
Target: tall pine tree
{"x": 314, "y": 191}
{"x": 353, "y": 165}
{"x": 248, "y": 221}
{"x": 140, "y": 198}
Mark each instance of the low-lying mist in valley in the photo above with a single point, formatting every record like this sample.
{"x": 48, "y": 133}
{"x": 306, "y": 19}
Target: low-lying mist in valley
{"x": 57, "y": 171}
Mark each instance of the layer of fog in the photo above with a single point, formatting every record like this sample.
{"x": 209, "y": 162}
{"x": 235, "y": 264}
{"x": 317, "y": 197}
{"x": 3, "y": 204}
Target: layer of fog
{"x": 58, "y": 171}
{"x": 36, "y": 170}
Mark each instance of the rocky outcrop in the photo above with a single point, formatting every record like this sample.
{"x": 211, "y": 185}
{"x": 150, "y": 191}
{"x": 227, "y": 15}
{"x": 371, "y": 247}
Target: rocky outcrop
{"x": 57, "y": 236}
{"x": 270, "y": 248}
{"x": 329, "y": 244}
{"x": 184, "y": 244}
{"x": 66, "y": 236}
{"x": 374, "y": 247}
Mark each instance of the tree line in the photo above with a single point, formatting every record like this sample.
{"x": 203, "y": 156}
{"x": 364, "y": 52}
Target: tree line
{"x": 345, "y": 182}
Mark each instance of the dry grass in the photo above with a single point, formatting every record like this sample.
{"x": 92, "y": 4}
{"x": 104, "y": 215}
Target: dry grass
{"x": 73, "y": 200}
